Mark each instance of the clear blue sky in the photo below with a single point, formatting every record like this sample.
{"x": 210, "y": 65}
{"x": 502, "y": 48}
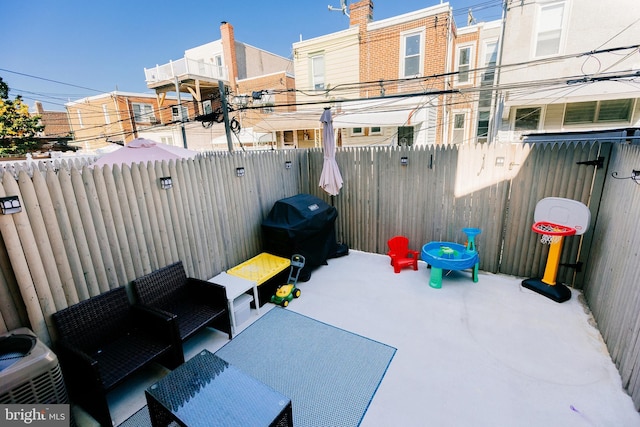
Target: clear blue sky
{"x": 104, "y": 45}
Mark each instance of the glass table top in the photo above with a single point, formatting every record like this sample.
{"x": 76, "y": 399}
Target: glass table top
{"x": 207, "y": 388}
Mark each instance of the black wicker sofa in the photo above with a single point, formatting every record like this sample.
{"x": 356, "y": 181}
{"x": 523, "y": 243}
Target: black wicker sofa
{"x": 104, "y": 340}
{"x": 196, "y": 303}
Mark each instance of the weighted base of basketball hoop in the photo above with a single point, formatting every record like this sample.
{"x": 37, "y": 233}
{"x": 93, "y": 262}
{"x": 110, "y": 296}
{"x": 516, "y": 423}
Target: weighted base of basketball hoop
{"x": 557, "y": 292}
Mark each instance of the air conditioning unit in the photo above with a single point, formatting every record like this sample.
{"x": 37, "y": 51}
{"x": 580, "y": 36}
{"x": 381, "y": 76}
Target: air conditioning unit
{"x": 29, "y": 371}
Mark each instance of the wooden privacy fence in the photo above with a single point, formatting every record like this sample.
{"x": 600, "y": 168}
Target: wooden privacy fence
{"x": 84, "y": 230}
{"x": 443, "y": 189}
{"x": 613, "y": 269}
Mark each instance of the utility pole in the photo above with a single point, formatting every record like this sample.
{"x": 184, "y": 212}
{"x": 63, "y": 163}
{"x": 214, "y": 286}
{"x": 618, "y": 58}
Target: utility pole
{"x": 498, "y": 102}
{"x": 184, "y": 133}
{"x": 225, "y": 114}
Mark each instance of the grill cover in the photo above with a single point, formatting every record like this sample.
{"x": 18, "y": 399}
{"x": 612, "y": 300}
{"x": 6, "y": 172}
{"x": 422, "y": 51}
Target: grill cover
{"x": 302, "y": 224}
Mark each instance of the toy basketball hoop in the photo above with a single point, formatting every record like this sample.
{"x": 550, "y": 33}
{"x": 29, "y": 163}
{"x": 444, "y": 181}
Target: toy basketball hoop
{"x": 552, "y": 233}
{"x": 555, "y": 218}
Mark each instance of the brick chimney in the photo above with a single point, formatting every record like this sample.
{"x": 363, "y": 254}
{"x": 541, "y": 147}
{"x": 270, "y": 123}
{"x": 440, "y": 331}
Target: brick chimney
{"x": 361, "y": 13}
{"x": 38, "y": 107}
{"x": 229, "y": 49}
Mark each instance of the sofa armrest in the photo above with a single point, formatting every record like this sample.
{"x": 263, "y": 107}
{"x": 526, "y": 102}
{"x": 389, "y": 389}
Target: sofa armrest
{"x": 79, "y": 366}
{"x": 164, "y": 327}
{"x": 211, "y": 292}
{"x": 158, "y": 323}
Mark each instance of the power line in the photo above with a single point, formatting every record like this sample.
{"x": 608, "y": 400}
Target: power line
{"x": 50, "y": 80}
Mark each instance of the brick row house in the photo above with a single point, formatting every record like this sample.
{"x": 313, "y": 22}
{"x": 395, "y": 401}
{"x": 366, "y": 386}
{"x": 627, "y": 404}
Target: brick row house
{"x": 119, "y": 117}
{"x": 412, "y": 79}
{"x": 56, "y": 134}
{"x": 384, "y": 80}
{"x": 405, "y": 80}
{"x": 252, "y": 81}
{"x": 186, "y": 102}
{"x": 546, "y": 66}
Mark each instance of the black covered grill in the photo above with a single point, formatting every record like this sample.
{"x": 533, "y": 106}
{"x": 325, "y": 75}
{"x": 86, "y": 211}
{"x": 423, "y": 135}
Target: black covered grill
{"x": 305, "y": 225}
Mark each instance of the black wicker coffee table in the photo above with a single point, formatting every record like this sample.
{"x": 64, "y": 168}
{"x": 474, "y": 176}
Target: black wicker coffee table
{"x": 207, "y": 391}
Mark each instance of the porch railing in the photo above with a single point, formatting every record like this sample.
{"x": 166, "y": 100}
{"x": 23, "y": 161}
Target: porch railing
{"x": 184, "y": 67}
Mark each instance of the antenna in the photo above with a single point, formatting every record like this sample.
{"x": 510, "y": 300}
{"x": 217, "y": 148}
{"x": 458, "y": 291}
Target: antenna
{"x": 470, "y": 19}
{"x": 343, "y": 8}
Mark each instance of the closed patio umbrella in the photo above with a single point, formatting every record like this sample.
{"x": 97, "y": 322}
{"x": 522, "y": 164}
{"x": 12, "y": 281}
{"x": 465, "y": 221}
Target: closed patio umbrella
{"x": 144, "y": 150}
{"x": 330, "y": 178}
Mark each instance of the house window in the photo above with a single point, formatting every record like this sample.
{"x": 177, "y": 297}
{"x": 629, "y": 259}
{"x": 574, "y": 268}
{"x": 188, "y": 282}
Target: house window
{"x": 458, "y": 128}
{"x": 550, "y": 20}
{"x": 618, "y": 110}
{"x": 357, "y": 131}
{"x": 317, "y": 72}
{"x": 464, "y": 63}
{"x": 483, "y": 126}
{"x": 488, "y": 76}
{"x": 405, "y": 136}
{"x": 142, "y": 112}
{"x": 177, "y": 115}
{"x": 527, "y": 118}
{"x": 168, "y": 140}
{"x": 490, "y": 54}
{"x": 375, "y": 130}
{"x": 217, "y": 62}
{"x": 411, "y": 56}
{"x": 206, "y": 107}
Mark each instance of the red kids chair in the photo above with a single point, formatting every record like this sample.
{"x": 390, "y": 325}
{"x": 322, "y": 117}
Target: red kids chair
{"x": 401, "y": 255}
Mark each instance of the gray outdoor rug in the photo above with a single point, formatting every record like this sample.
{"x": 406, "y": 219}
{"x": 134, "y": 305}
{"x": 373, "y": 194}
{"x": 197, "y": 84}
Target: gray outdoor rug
{"x": 330, "y": 374}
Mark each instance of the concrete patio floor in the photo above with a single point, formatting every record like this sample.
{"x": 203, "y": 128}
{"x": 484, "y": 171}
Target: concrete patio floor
{"x": 469, "y": 354}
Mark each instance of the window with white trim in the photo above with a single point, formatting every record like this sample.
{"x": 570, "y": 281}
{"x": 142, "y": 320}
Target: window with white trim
{"x": 411, "y": 56}
{"x": 357, "y": 131}
{"x": 459, "y": 120}
{"x": 483, "y": 126}
{"x": 617, "y": 110}
{"x": 549, "y": 33}
{"x": 375, "y": 130}
{"x": 527, "y": 118}
{"x": 463, "y": 64}
{"x": 206, "y": 106}
{"x": 177, "y": 115}
{"x": 217, "y": 63}
{"x": 142, "y": 112}
{"x": 317, "y": 71}
{"x": 490, "y": 57}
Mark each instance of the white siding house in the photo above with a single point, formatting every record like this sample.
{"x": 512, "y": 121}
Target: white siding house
{"x": 569, "y": 65}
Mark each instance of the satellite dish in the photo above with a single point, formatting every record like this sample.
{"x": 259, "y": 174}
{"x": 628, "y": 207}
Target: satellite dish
{"x": 343, "y": 8}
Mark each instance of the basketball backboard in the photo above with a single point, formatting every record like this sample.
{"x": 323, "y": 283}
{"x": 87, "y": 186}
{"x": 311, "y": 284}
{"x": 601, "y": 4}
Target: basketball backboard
{"x": 561, "y": 211}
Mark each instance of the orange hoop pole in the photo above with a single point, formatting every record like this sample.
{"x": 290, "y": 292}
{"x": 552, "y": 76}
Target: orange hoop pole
{"x": 553, "y": 261}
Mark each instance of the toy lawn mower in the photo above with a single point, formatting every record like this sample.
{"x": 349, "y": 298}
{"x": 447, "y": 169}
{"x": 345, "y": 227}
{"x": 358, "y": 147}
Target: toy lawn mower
{"x": 285, "y": 293}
